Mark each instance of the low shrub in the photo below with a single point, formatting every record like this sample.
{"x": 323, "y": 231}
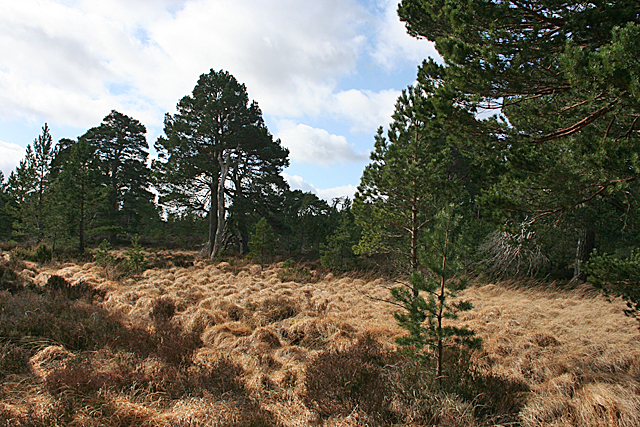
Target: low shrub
{"x": 41, "y": 254}
{"x": 14, "y": 359}
{"x": 104, "y": 258}
{"x": 135, "y": 261}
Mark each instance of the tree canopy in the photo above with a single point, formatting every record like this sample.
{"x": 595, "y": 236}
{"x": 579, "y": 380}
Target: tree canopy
{"x": 216, "y": 139}
{"x": 563, "y": 78}
{"x": 544, "y": 97}
{"x": 412, "y": 175}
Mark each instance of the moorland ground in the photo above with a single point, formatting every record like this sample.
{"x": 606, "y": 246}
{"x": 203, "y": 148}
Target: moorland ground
{"x": 190, "y": 342}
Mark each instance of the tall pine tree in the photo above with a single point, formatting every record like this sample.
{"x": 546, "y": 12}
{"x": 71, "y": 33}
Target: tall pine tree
{"x": 121, "y": 148}
{"x": 411, "y": 176}
{"x": 29, "y": 188}
{"x": 78, "y": 190}
{"x": 216, "y": 138}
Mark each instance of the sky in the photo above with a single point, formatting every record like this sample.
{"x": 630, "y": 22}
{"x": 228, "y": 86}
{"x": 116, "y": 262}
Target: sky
{"x": 326, "y": 73}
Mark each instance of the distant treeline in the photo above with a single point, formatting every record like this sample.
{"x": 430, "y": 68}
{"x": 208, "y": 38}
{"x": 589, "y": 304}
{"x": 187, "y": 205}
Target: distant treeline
{"x": 517, "y": 155}
{"x": 218, "y": 173}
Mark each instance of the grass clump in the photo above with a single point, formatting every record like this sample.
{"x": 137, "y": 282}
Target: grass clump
{"x": 340, "y": 382}
{"x": 294, "y": 272}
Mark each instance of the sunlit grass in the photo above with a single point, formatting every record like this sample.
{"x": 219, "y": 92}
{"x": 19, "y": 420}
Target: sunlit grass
{"x": 197, "y": 343}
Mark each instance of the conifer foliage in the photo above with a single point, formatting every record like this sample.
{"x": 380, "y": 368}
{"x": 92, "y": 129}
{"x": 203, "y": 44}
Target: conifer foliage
{"x": 263, "y": 242}
{"x": 29, "y": 185}
{"x": 121, "y": 148}
{"x": 216, "y": 138}
{"x": 411, "y": 176}
{"x": 427, "y": 300}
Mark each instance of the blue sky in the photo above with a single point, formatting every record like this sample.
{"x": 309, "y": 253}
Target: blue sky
{"x": 325, "y": 73}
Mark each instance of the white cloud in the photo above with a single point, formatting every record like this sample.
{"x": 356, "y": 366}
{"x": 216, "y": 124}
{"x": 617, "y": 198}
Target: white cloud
{"x": 393, "y": 44}
{"x": 70, "y": 62}
{"x": 316, "y": 146}
{"x": 298, "y": 183}
{"x": 142, "y": 57}
{"x": 366, "y": 109}
{"x": 331, "y": 193}
{"x": 10, "y": 156}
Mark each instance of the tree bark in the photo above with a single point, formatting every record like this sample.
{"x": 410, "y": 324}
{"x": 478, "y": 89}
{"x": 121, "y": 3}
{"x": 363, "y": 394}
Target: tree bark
{"x": 81, "y": 244}
{"x": 213, "y": 219}
{"x": 221, "y": 210}
{"x": 586, "y": 244}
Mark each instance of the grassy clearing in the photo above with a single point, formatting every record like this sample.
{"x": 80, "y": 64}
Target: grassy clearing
{"x": 191, "y": 343}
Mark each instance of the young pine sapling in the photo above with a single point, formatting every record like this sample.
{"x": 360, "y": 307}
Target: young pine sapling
{"x": 428, "y": 299}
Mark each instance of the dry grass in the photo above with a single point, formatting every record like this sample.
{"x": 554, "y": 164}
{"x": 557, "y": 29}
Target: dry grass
{"x": 577, "y": 354}
{"x": 201, "y": 344}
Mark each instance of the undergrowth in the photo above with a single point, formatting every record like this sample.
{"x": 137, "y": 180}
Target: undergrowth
{"x": 215, "y": 344}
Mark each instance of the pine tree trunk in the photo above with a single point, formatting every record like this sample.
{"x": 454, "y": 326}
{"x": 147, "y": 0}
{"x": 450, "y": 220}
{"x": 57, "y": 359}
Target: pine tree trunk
{"x": 81, "y": 231}
{"x": 219, "y": 237}
{"x": 586, "y": 244}
{"x": 213, "y": 219}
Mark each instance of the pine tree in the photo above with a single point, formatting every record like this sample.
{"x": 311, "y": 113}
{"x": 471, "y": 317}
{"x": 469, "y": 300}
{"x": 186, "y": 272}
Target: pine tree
{"x": 216, "y": 137}
{"x": 263, "y": 242}
{"x": 29, "y": 185}
{"x": 427, "y": 300}
{"x": 412, "y": 174}
{"x": 6, "y": 220}
{"x": 121, "y": 147}
{"x": 78, "y": 189}
{"x": 337, "y": 254}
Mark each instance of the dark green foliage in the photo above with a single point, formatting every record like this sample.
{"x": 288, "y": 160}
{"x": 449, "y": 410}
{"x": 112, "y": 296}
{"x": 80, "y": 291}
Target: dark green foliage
{"x": 562, "y": 79}
{"x": 303, "y": 222}
{"x": 412, "y": 174}
{"x": 29, "y": 187}
{"x": 216, "y": 138}
{"x": 79, "y": 193}
{"x": 426, "y": 301}
{"x": 262, "y": 242}
{"x": 337, "y": 254}
{"x": 121, "y": 152}
{"x": 6, "y": 218}
{"x": 135, "y": 261}
{"x": 617, "y": 277}
{"x": 103, "y": 256}
{"x": 42, "y": 253}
